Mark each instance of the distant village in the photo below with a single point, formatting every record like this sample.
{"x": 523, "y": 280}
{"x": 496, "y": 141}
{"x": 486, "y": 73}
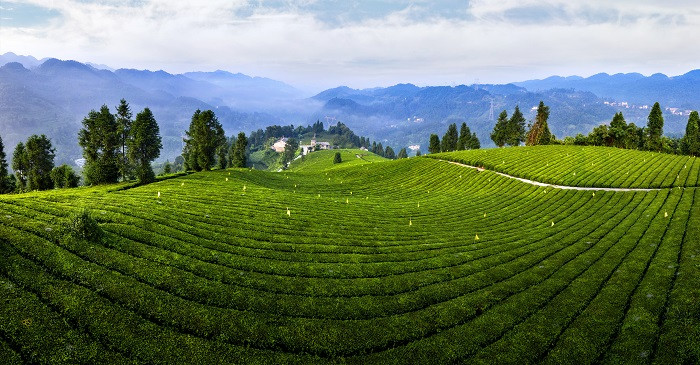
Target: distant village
{"x": 281, "y": 144}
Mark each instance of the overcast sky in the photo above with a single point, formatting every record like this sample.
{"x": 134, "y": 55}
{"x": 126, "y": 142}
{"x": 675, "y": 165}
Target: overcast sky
{"x": 318, "y": 44}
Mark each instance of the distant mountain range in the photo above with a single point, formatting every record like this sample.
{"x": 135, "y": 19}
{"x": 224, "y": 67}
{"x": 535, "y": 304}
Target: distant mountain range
{"x": 679, "y": 91}
{"x": 52, "y": 96}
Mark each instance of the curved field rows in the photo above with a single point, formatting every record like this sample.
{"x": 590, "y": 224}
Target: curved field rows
{"x": 604, "y": 167}
{"x": 412, "y": 261}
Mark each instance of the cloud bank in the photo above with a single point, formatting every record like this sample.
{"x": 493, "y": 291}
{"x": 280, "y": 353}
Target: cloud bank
{"x": 318, "y": 44}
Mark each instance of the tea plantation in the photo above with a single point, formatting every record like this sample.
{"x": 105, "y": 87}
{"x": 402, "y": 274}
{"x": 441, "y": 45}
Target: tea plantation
{"x": 368, "y": 262}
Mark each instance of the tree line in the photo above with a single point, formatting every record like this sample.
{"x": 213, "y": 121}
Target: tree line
{"x": 452, "y": 141}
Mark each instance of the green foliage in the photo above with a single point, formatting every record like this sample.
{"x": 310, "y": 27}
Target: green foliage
{"x": 515, "y": 129}
{"x": 434, "y": 145}
{"x": 5, "y": 181}
{"x": 64, "y": 177}
{"x": 290, "y": 150}
{"x": 204, "y": 138}
{"x": 415, "y": 260}
{"x": 144, "y": 145}
{"x": 654, "y": 129}
{"x": 167, "y": 168}
{"x": 337, "y": 158}
{"x": 239, "y": 157}
{"x": 402, "y": 153}
{"x": 99, "y": 139}
{"x": 82, "y": 225}
{"x": 450, "y": 139}
{"x": 20, "y": 165}
{"x": 539, "y": 133}
{"x": 389, "y": 153}
{"x": 499, "y": 136}
{"x": 39, "y": 156}
{"x": 602, "y": 167}
{"x": 123, "y": 119}
{"x": 690, "y": 144}
{"x": 418, "y": 153}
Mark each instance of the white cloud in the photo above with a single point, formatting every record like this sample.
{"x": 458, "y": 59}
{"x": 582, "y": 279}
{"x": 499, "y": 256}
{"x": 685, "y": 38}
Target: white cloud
{"x": 490, "y": 42}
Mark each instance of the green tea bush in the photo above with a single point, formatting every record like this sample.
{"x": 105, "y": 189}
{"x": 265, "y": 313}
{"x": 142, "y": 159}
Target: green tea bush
{"x": 83, "y": 226}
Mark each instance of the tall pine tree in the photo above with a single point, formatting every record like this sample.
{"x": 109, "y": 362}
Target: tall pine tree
{"x": 123, "y": 118}
{"x": 539, "y": 134}
{"x": 690, "y": 144}
{"x": 144, "y": 145}
{"x": 5, "y": 181}
{"x": 402, "y": 153}
{"x": 434, "y": 144}
{"x": 39, "y": 157}
{"x": 499, "y": 136}
{"x": 515, "y": 131}
{"x": 389, "y": 153}
{"x": 450, "y": 139}
{"x": 618, "y": 131}
{"x": 654, "y": 129}
{"x": 464, "y": 136}
{"x": 238, "y": 159}
{"x": 20, "y": 166}
{"x": 473, "y": 143}
{"x": 204, "y": 138}
{"x": 99, "y": 139}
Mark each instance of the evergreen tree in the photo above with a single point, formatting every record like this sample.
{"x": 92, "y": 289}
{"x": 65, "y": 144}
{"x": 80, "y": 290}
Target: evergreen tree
{"x": 449, "y": 140}
{"x": 380, "y": 149}
{"x": 473, "y": 143}
{"x": 515, "y": 130}
{"x": 222, "y": 157}
{"x": 5, "y": 182}
{"x": 337, "y": 158}
{"x": 167, "y": 169}
{"x": 144, "y": 145}
{"x": 618, "y": 131}
{"x": 389, "y": 153}
{"x": 39, "y": 156}
{"x": 374, "y": 148}
{"x": 238, "y": 159}
{"x": 464, "y": 136}
{"x": 64, "y": 177}
{"x": 205, "y": 137}
{"x": 20, "y": 166}
{"x": 500, "y": 130}
{"x": 690, "y": 144}
{"x": 434, "y": 145}
{"x": 123, "y": 119}
{"x": 539, "y": 134}
{"x": 654, "y": 129}
{"x": 418, "y": 154}
{"x": 290, "y": 149}
{"x": 100, "y": 142}
{"x": 403, "y": 153}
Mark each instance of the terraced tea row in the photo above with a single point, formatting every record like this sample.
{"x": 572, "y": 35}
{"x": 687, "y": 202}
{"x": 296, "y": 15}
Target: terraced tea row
{"x": 606, "y": 167}
{"x": 413, "y": 261}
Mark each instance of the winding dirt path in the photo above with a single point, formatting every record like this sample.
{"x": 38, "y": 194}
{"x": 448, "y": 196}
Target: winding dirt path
{"x": 564, "y": 187}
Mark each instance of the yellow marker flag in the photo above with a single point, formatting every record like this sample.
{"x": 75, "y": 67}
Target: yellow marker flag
{"x": 410, "y": 222}
{"x": 418, "y": 205}
{"x": 159, "y": 194}
{"x": 243, "y": 187}
{"x": 319, "y": 195}
{"x": 665, "y": 214}
{"x": 347, "y": 201}
{"x": 484, "y": 215}
{"x": 476, "y": 237}
{"x": 229, "y": 173}
{"x": 552, "y": 223}
{"x": 594, "y": 193}
{"x": 289, "y": 213}
{"x": 226, "y": 179}
{"x": 183, "y": 184}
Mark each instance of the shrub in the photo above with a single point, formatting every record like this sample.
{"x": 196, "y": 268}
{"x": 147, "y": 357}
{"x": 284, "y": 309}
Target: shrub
{"x": 337, "y": 158}
{"x": 82, "y": 225}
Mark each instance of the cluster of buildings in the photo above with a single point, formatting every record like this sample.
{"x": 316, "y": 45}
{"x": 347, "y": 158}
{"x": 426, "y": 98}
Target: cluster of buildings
{"x": 281, "y": 144}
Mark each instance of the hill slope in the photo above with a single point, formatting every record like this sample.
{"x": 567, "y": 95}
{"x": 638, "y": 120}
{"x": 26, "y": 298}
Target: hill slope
{"x": 410, "y": 261}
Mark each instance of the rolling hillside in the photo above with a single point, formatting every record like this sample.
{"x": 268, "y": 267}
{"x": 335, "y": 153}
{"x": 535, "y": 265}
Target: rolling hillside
{"x": 409, "y": 261}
